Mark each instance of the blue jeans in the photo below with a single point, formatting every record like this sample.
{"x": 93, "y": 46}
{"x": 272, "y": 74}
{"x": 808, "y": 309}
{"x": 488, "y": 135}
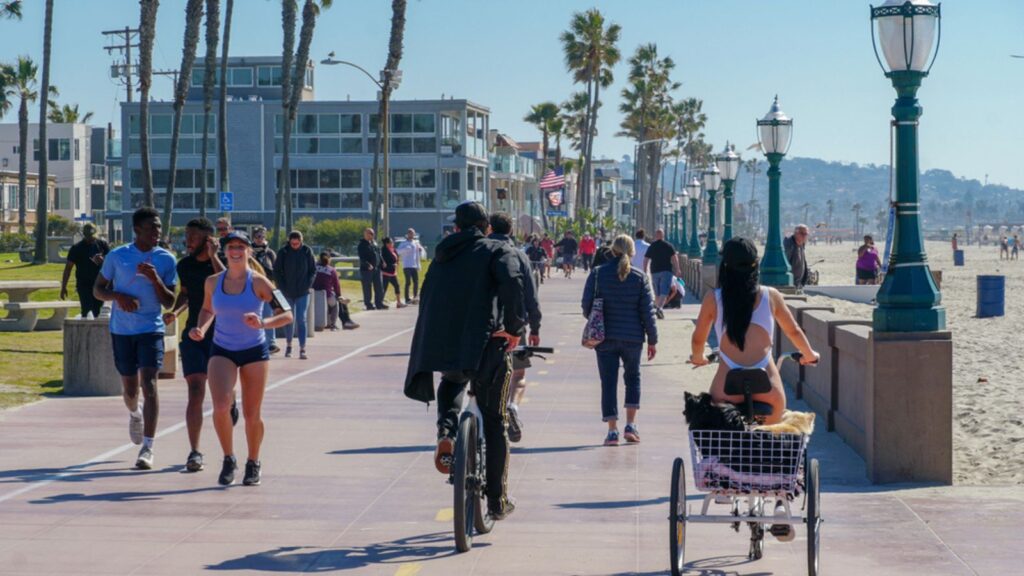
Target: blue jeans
{"x": 299, "y": 306}
{"x": 267, "y": 313}
{"x": 609, "y": 355}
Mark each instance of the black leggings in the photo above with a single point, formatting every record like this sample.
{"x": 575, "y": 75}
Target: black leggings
{"x": 392, "y": 281}
{"x": 412, "y": 275}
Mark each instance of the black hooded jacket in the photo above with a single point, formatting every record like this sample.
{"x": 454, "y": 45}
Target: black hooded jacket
{"x": 472, "y": 289}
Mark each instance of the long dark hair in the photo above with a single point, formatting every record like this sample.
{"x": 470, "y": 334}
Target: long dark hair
{"x": 739, "y": 279}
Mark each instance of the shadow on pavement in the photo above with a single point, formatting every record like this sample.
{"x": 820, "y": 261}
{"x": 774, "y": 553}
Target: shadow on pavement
{"x": 308, "y": 559}
{"x": 122, "y": 496}
{"x": 620, "y": 503}
{"x": 76, "y": 473}
{"x": 383, "y": 450}
{"x": 391, "y": 355}
{"x": 707, "y": 567}
{"x": 551, "y": 449}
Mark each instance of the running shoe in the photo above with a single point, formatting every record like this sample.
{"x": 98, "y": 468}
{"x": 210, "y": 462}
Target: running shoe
{"x": 227, "y": 471}
{"x": 135, "y": 427}
{"x": 515, "y": 426}
{"x": 443, "y": 455}
{"x": 288, "y": 352}
{"x": 498, "y": 512}
{"x": 382, "y": 306}
{"x": 145, "y": 459}
{"x": 194, "y": 462}
{"x": 401, "y": 305}
{"x": 274, "y": 348}
{"x": 350, "y": 325}
{"x": 302, "y": 355}
{"x": 234, "y": 411}
{"x": 659, "y": 313}
{"x": 612, "y": 439}
{"x": 252, "y": 473}
{"x": 631, "y": 434}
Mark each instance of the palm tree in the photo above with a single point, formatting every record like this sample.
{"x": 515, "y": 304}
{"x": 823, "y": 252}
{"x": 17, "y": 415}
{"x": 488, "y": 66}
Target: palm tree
{"x": 288, "y": 10}
{"x": 209, "y": 77}
{"x": 42, "y": 205}
{"x": 574, "y": 118}
{"x": 395, "y": 40}
{"x": 193, "y": 19}
{"x": 21, "y": 81}
{"x": 222, "y": 119}
{"x": 68, "y": 114}
{"x": 556, "y": 128}
{"x": 147, "y": 35}
{"x": 806, "y": 208}
{"x": 831, "y": 203}
{"x": 541, "y": 116}
{"x": 10, "y": 9}
{"x": 690, "y": 120}
{"x": 590, "y": 52}
{"x": 856, "y": 219}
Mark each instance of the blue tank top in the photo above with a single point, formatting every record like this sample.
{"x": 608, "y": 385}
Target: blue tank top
{"x": 230, "y": 331}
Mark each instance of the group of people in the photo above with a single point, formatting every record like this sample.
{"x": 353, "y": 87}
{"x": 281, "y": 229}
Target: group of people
{"x": 378, "y": 269}
{"x": 1009, "y": 247}
{"x": 565, "y": 254}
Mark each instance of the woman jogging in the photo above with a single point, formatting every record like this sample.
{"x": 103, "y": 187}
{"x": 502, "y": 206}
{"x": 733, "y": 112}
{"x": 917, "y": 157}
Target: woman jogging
{"x": 240, "y": 350}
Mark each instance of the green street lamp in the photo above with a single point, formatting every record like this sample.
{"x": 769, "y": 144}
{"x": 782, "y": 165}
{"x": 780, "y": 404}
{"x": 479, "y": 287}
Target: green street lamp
{"x": 775, "y": 132}
{"x": 683, "y": 201}
{"x": 693, "y": 192}
{"x": 712, "y": 181}
{"x": 908, "y": 300}
{"x": 674, "y": 230}
{"x": 728, "y": 163}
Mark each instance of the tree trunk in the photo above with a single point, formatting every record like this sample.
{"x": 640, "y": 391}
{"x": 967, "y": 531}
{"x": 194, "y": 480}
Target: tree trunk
{"x": 590, "y": 139}
{"x": 543, "y": 170}
{"x": 584, "y": 141}
{"x": 23, "y": 164}
{"x": 287, "y": 54}
{"x": 147, "y": 33}
{"x": 193, "y": 18}
{"x": 395, "y": 41}
{"x": 375, "y": 173}
{"x": 222, "y": 119}
{"x": 209, "y": 76}
{"x": 43, "y": 183}
{"x": 298, "y": 80}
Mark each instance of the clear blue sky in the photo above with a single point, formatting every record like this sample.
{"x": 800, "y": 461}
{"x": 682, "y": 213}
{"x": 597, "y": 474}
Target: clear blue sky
{"x": 733, "y": 54}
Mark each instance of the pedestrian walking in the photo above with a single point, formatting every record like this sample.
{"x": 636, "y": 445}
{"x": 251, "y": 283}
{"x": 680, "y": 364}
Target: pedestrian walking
{"x": 588, "y": 247}
{"x": 568, "y": 247}
{"x": 412, "y": 254}
{"x": 265, "y": 256}
{"x": 86, "y": 257}
{"x": 369, "y": 272}
{"x": 640, "y": 246}
{"x": 294, "y": 271}
{"x": 470, "y": 318}
{"x": 235, "y": 298}
{"x": 628, "y": 321}
{"x": 794, "y": 248}
{"x": 663, "y": 262}
{"x": 139, "y": 278}
{"x": 868, "y": 262}
{"x": 389, "y": 269}
{"x": 549, "y": 247}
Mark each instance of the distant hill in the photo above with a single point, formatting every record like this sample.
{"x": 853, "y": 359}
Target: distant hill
{"x": 809, "y": 183}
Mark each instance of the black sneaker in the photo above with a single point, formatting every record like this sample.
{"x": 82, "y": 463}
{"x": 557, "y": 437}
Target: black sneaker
{"x": 234, "y": 412}
{"x": 194, "y": 462}
{"x": 252, "y": 473}
{"x": 498, "y": 512}
{"x": 659, "y": 313}
{"x": 274, "y": 348}
{"x": 515, "y": 426}
{"x": 227, "y": 472}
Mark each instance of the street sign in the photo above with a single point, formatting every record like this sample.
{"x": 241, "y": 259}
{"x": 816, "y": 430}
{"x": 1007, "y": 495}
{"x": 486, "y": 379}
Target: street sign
{"x": 558, "y": 213}
{"x": 227, "y": 201}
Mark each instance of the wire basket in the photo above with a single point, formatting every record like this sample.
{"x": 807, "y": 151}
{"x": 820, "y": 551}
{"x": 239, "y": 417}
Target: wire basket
{"x": 747, "y": 462}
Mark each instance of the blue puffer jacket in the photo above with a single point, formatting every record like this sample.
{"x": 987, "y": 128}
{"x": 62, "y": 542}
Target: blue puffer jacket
{"x": 628, "y": 306}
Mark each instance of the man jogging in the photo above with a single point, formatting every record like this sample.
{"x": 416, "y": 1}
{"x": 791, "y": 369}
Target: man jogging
{"x": 471, "y": 316}
{"x": 501, "y": 229}
{"x": 139, "y": 278}
{"x": 86, "y": 257}
{"x": 193, "y": 270}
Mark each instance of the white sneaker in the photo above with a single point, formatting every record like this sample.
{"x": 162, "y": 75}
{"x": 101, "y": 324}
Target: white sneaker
{"x": 135, "y": 427}
{"x": 145, "y": 460}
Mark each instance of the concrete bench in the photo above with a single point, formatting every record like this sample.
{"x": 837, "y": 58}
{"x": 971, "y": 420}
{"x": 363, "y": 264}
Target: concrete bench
{"x": 24, "y": 316}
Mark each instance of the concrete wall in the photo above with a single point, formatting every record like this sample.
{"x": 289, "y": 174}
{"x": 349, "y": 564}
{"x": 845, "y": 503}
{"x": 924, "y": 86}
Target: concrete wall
{"x": 852, "y": 373}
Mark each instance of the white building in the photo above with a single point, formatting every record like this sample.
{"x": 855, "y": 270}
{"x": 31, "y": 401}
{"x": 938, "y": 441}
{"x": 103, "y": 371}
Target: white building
{"x": 68, "y": 153}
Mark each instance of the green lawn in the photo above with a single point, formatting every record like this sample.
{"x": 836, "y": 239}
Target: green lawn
{"x": 32, "y": 364}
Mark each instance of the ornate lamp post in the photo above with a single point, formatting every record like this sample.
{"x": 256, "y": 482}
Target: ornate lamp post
{"x": 775, "y": 132}
{"x": 908, "y": 300}
{"x": 681, "y": 204}
{"x": 693, "y": 192}
{"x": 728, "y": 163}
{"x": 712, "y": 180}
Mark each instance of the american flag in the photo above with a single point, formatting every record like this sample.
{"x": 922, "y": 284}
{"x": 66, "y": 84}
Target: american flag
{"x": 553, "y": 179}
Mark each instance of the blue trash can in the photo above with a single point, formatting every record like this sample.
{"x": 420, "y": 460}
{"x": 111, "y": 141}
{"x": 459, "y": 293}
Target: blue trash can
{"x": 958, "y": 257}
{"x": 991, "y": 296}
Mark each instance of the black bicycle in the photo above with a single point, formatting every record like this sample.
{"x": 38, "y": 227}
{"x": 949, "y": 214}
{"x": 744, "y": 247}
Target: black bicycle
{"x": 469, "y": 470}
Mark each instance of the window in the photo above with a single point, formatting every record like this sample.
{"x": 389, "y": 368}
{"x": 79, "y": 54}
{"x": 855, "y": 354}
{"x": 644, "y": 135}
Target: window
{"x": 351, "y": 123}
{"x": 12, "y": 197}
{"x": 184, "y": 179}
{"x": 160, "y": 124}
{"x": 329, "y": 124}
{"x": 307, "y": 145}
{"x": 352, "y": 201}
{"x": 409, "y": 178}
{"x": 330, "y": 146}
{"x": 77, "y": 151}
{"x": 268, "y": 76}
{"x": 452, "y": 188}
{"x": 424, "y": 179}
{"x": 401, "y": 178}
{"x": 308, "y": 179}
{"x": 401, "y": 123}
{"x": 401, "y": 145}
{"x": 307, "y": 124}
{"x": 59, "y": 149}
{"x": 309, "y": 77}
{"x": 373, "y": 123}
{"x": 351, "y": 145}
{"x": 133, "y": 124}
{"x": 35, "y": 149}
{"x": 424, "y": 145}
{"x": 31, "y": 197}
{"x": 78, "y": 198}
{"x": 471, "y": 178}
{"x": 63, "y": 199}
{"x": 423, "y": 123}
{"x": 239, "y": 76}
{"x": 330, "y": 179}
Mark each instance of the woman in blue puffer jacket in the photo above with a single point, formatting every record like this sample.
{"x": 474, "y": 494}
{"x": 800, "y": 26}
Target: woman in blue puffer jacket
{"x": 628, "y": 322}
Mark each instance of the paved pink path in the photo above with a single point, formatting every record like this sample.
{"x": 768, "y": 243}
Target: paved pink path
{"x": 349, "y": 486}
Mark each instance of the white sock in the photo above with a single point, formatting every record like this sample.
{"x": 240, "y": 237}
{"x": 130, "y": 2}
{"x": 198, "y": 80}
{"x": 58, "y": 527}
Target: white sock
{"x": 513, "y": 406}
{"x": 137, "y": 413}
{"x": 147, "y": 442}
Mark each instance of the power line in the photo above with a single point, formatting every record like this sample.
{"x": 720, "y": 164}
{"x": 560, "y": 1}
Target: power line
{"x": 123, "y": 69}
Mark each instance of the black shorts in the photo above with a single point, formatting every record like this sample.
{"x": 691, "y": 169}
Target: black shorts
{"x": 195, "y": 355}
{"x": 258, "y": 353}
{"x": 135, "y": 351}
{"x": 863, "y": 274}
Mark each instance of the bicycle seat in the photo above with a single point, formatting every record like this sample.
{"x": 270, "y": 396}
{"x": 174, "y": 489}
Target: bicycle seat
{"x": 747, "y": 382}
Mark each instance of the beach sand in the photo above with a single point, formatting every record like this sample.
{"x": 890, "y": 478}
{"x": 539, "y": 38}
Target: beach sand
{"x": 988, "y": 435}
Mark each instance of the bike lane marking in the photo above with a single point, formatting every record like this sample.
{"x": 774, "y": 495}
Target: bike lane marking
{"x": 445, "y": 515}
{"x": 410, "y": 569}
{"x": 170, "y": 430}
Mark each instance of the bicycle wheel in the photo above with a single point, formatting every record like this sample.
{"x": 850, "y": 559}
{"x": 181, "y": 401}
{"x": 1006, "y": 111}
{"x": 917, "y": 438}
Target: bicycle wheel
{"x": 462, "y": 476}
{"x": 756, "y": 529}
{"x": 677, "y": 518}
{"x": 813, "y": 518}
{"x": 482, "y": 521}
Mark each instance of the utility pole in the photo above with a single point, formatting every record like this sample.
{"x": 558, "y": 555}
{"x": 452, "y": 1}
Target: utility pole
{"x": 123, "y": 71}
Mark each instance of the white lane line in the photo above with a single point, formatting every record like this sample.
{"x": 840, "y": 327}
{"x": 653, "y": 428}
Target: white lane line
{"x": 124, "y": 447}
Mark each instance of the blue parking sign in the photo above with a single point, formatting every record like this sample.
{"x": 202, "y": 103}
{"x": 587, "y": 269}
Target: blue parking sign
{"x": 227, "y": 201}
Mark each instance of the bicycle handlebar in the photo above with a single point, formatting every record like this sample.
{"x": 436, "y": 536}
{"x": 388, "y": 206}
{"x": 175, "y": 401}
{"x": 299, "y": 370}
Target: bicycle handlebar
{"x": 532, "y": 350}
{"x": 795, "y": 356}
